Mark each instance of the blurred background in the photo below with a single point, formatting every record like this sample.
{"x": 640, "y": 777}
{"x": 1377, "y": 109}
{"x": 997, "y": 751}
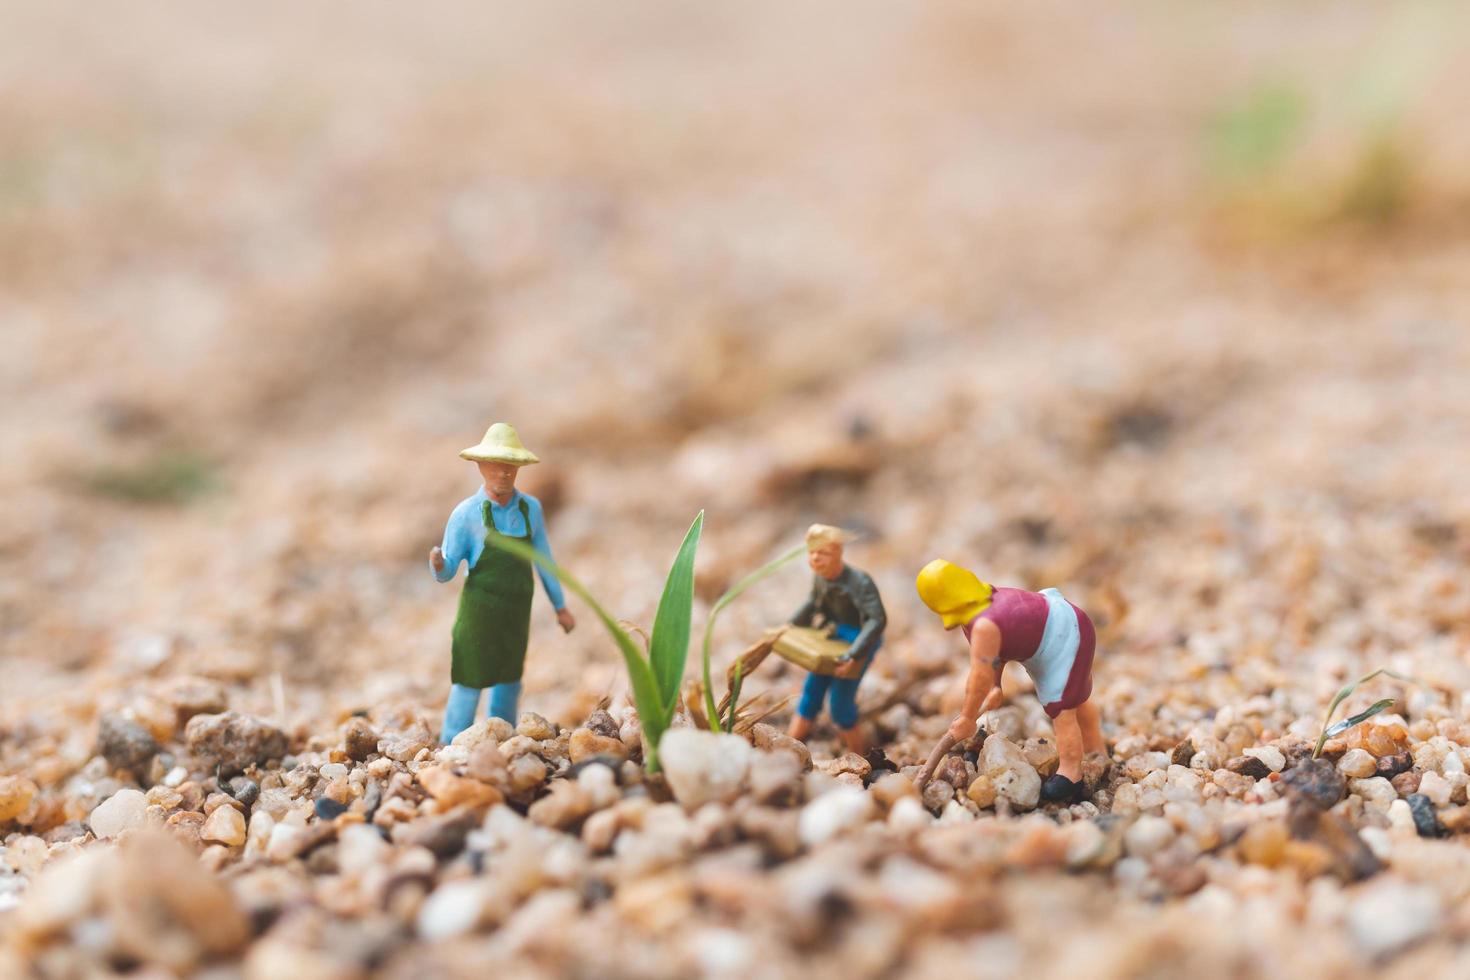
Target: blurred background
{"x": 1167, "y": 307}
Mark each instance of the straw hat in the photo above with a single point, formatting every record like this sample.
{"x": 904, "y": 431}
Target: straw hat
{"x": 502, "y": 444}
{"x": 821, "y": 535}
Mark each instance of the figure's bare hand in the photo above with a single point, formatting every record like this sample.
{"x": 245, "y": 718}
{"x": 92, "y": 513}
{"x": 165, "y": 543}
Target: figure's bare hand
{"x": 962, "y": 728}
{"x": 436, "y": 558}
{"x": 566, "y": 620}
{"x": 847, "y": 669}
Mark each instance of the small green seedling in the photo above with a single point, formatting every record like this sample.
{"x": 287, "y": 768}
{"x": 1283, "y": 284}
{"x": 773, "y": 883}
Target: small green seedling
{"x": 1330, "y": 729}
{"x": 655, "y": 677}
{"x": 710, "y": 710}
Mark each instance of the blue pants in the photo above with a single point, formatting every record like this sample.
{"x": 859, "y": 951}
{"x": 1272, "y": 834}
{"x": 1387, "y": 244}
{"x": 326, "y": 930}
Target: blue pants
{"x": 459, "y": 713}
{"x": 843, "y": 690}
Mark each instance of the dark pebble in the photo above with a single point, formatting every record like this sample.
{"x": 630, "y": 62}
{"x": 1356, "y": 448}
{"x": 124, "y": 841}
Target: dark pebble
{"x": 328, "y": 808}
{"x": 1183, "y": 754}
{"x": 602, "y": 723}
{"x": 1426, "y": 821}
{"x": 1315, "y": 782}
{"x": 1248, "y": 765}
{"x": 125, "y": 744}
{"x": 244, "y": 789}
{"x": 1391, "y": 765}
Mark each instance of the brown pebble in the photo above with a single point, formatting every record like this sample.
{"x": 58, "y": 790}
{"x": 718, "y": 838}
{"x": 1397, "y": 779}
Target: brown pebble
{"x": 359, "y": 739}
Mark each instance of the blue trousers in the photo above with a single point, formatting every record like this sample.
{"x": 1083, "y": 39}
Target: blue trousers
{"x": 459, "y": 713}
{"x": 841, "y": 692}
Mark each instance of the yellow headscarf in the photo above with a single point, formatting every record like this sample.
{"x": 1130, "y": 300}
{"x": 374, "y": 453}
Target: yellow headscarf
{"x": 955, "y": 593}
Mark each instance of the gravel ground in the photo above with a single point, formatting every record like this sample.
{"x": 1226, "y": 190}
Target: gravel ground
{"x": 1037, "y": 293}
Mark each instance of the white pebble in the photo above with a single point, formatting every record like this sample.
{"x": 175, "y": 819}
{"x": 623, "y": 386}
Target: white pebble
{"x": 1391, "y": 915}
{"x": 1147, "y": 836}
{"x": 454, "y": 909}
{"x": 126, "y": 809}
{"x": 1269, "y": 754}
{"x": 1357, "y": 764}
{"x": 832, "y": 813}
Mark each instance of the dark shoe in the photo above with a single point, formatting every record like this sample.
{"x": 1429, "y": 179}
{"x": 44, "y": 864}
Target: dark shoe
{"x": 1060, "y": 789}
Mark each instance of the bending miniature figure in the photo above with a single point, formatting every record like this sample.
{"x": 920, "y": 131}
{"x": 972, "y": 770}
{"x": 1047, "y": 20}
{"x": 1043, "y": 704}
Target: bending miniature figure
{"x": 494, "y": 620}
{"x": 1051, "y": 638}
{"x": 845, "y": 598}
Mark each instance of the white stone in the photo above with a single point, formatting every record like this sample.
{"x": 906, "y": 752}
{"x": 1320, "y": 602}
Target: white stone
{"x": 1147, "y": 836}
{"x": 1085, "y": 842}
{"x": 1437, "y": 788}
{"x": 1401, "y": 818}
{"x": 907, "y": 813}
{"x": 282, "y": 843}
{"x": 175, "y": 777}
{"x": 832, "y": 813}
{"x": 1376, "y": 792}
{"x": 360, "y": 848}
{"x": 225, "y": 825}
{"x": 1453, "y": 765}
{"x": 126, "y": 809}
{"x": 1389, "y": 916}
{"x": 453, "y": 909}
{"x": 333, "y": 770}
{"x": 1015, "y": 779}
{"x": 1357, "y": 764}
{"x": 704, "y": 767}
{"x": 1269, "y": 754}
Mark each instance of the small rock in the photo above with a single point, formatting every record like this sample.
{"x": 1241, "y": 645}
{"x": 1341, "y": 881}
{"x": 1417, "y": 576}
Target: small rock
{"x": 1406, "y": 784}
{"x": 1375, "y": 791}
{"x": 225, "y": 825}
{"x": 190, "y": 696}
{"x": 1015, "y": 779}
{"x": 359, "y": 739}
{"x": 127, "y": 809}
{"x": 1264, "y": 843}
{"x": 487, "y": 764}
{"x": 328, "y": 809}
{"x": 602, "y": 723}
{"x": 848, "y": 763}
{"x": 16, "y": 795}
{"x": 1391, "y": 915}
{"x": 444, "y": 835}
{"x": 982, "y": 791}
{"x": 937, "y": 793}
{"x": 186, "y": 826}
{"x": 1147, "y": 836}
{"x": 233, "y": 742}
{"x": 775, "y": 778}
{"x": 244, "y": 789}
{"x": 586, "y": 744}
{"x": 889, "y": 789}
{"x": 770, "y": 739}
{"x": 907, "y": 813}
{"x": 1316, "y": 782}
{"x": 526, "y": 773}
{"x": 451, "y": 791}
{"x": 493, "y": 730}
{"x": 832, "y": 813}
{"x": 453, "y": 909}
{"x": 562, "y": 808}
{"x": 1426, "y": 821}
{"x": 1392, "y": 765}
{"x": 405, "y": 746}
{"x": 360, "y": 848}
{"x": 1273, "y": 757}
{"x": 1042, "y": 754}
{"x": 1357, "y": 764}
{"x": 704, "y": 767}
{"x": 1183, "y": 754}
{"x": 1248, "y": 765}
{"x": 125, "y": 744}
{"x": 535, "y": 727}
{"x": 1436, "y": 788}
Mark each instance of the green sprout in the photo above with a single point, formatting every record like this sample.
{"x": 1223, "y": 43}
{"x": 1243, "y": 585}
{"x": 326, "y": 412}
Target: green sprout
{"x": 1329, "y": 729}
{"x": 655, "y": 677}
{"x": 710, "y": 710}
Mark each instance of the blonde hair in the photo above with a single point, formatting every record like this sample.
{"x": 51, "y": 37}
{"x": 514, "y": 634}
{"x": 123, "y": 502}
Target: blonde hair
{"x": 955, "y": 593}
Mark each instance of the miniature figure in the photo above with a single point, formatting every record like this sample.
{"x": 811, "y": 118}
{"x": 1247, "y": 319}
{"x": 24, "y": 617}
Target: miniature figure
{"x": 1051, "y": 638}
{"x": 846, "y": 600}
{"x": 494, "y": 619}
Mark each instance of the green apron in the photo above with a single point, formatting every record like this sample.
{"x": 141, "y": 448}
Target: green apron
{"x": 494, "y": 620}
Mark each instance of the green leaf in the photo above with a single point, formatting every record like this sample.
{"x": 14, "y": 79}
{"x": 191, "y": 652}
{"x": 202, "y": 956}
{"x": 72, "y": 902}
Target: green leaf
{"x": 1346, "y": 692}
{"x": 668, "y": 649}
{"x": 651, "y": 713}
{"x": 765, "y": 571}
{"x": 1360, "y": 717}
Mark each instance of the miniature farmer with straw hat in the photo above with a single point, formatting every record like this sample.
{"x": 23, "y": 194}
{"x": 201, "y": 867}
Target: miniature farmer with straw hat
{"x": 494, "y": 620}
{"x": 845, "y": 598}
{"x": 1051, "y": 638}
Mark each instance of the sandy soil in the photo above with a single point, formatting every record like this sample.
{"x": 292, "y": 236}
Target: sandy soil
{"x": 1166, "y": 308}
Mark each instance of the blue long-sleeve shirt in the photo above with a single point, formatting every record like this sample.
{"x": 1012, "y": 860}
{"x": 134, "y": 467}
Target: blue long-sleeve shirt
{"x": 464, "y": 536}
